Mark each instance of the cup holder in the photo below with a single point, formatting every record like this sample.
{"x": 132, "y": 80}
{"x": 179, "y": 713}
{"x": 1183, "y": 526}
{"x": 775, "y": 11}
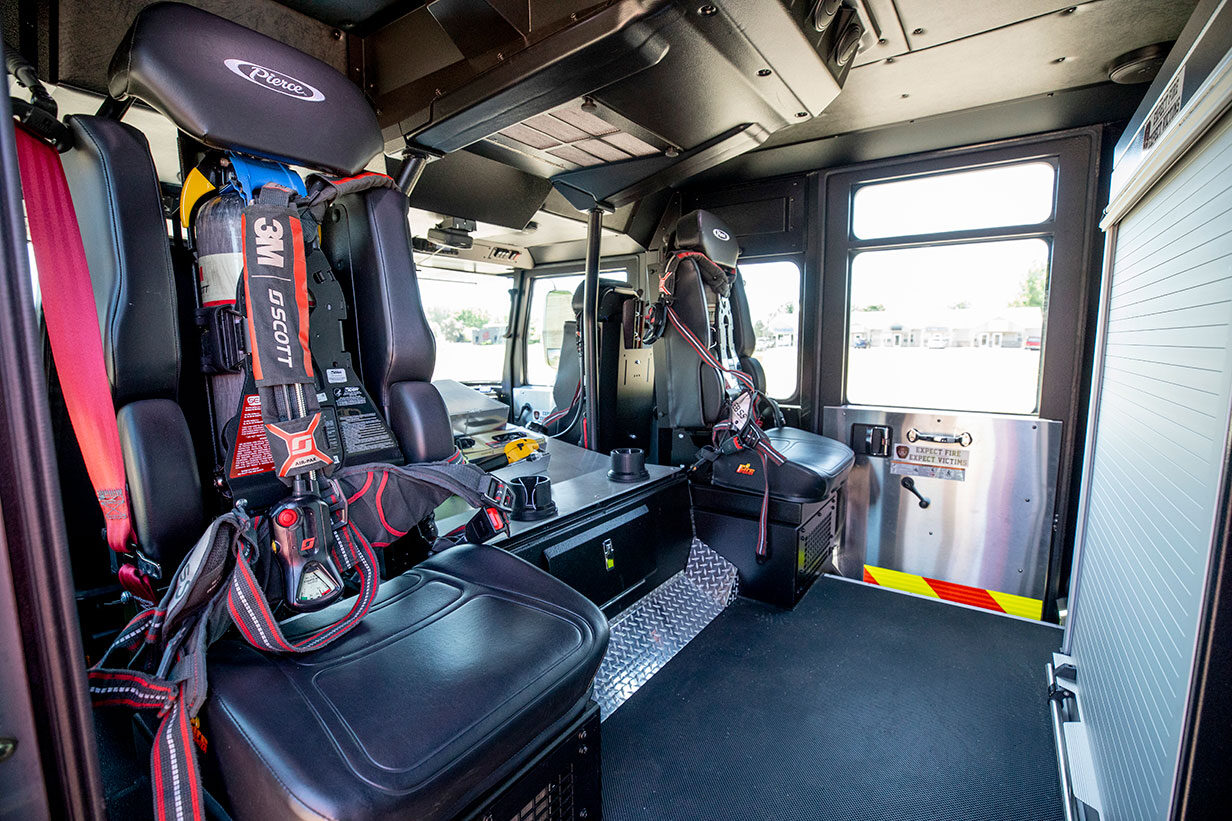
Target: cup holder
{"x": 532, "y": 499}
{"x": 628, "y": 465}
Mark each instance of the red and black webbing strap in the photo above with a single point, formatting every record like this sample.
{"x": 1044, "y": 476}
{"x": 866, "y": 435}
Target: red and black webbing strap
{"x": 216, "y": 578}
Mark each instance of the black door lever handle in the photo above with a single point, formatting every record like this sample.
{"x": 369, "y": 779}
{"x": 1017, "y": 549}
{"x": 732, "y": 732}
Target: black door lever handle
{"x": 909, "y": 483}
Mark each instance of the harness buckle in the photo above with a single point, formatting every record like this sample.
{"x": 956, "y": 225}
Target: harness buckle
{"x": 223, "y": 335}
{"x": 498, "y": 493}
{"x": 146, "y": 565}
{"x": 339, "y": 507}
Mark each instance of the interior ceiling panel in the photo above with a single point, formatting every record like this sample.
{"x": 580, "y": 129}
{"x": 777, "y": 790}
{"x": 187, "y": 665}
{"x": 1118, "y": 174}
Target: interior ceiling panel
{"x": 346, "y": 12}
{"x": 1043, "y": 54}
{"x": 938, "y": 23}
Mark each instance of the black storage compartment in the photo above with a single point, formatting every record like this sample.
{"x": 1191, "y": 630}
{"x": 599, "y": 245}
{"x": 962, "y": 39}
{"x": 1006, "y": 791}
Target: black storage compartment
{"x": 615, "y": 552}
{"x": 606, "y": 559}
{"x": 561, "y": 784}
{"x": 801, "y": 539}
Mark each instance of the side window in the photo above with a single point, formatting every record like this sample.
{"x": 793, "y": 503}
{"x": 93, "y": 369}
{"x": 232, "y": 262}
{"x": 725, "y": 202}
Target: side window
{"x": 773, "y": 290}
{"x": 954, "y": 323}
{"x": 468, "y": 314}
{"x": 551, "y": 306}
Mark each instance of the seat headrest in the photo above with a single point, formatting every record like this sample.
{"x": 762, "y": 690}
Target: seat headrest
{"x": 234, "y": 89}
{"x": 605, "y": 285}
{"x": 704, "y": 232}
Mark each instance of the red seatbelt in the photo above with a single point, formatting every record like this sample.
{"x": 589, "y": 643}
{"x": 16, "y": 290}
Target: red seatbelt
{"x": 76, "y": 344}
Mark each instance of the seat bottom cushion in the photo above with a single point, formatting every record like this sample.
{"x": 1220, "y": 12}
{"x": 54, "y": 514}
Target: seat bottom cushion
{"x": 463, "y": 668}
{"x": 816, "y": 466}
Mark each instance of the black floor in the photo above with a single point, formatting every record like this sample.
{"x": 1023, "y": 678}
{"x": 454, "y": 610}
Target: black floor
{"x": 862, "y": 703}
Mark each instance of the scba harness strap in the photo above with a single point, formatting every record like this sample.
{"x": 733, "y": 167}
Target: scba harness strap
{"x": 740, "y": 426}
{"x": 276, "y": 300}
{"x": 215, "y": 587}
{"x": 221, "y": 583}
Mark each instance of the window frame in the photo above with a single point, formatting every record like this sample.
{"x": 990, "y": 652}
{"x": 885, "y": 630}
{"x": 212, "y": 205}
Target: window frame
{"x": 1045, "y": 236}
{"x": 1074, "y": 156}
{"x": 796, "y": 259}
{"x": 631, "y": 263}
{"x": 995, "y": 230}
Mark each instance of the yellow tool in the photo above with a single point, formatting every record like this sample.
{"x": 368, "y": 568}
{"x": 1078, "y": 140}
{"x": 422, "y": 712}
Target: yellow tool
{"x": 520, "y": 449}
{"x": 195, "y": 187}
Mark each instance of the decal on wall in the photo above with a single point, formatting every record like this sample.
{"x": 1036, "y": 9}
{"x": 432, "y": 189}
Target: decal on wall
{"x": 930, "y": 461}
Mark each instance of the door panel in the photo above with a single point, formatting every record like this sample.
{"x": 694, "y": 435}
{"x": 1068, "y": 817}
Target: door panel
{"x": 988, "y": 523}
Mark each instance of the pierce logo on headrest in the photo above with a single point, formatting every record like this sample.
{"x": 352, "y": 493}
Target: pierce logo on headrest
{"x": 721, "y": 234}
{"x": 275, "y": 80}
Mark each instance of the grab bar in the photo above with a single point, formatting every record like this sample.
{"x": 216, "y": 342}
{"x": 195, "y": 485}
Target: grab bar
{"x": 1056, "y": 694}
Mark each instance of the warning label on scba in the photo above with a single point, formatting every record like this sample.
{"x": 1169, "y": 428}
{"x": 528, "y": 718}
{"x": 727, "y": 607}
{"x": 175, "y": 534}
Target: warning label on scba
{"x": 930, "y": 461}
{"x": 252, "y": 450}
{"x": 364, "y": 432}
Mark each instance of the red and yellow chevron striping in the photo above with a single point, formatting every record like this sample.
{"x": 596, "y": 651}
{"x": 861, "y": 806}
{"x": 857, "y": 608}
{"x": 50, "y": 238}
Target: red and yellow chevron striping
{"x": 961, "y": 593}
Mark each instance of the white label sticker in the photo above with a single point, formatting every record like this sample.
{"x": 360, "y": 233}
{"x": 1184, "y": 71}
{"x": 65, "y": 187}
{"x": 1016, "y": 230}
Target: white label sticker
{"x": 335, "y": 376}
{"x": 930, "y": 461}
{"x": 1164, "y": 112}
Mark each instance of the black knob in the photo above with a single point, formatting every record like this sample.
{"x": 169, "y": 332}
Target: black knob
{"x": 909, "y": 484}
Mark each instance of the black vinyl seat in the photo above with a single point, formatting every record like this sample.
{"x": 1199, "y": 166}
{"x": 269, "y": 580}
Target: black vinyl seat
{"x": 463, "y": 665}
{"x": 694, "y": 393}
{"x": 469, "y": 663}
{"x": 625, "y": 378}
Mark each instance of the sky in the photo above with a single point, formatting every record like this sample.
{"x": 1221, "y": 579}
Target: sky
{"x": 1019, "y": 194}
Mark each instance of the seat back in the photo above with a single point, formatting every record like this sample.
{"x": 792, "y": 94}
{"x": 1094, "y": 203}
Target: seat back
{"x": 694, "y": 391}
{"x": 119, "y": 210}
{"x": 367, "y": 239}
{"x": 625, "y": 374}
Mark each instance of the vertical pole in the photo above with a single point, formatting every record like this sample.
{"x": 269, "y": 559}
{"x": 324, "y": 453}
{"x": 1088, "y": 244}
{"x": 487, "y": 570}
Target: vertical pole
{"x": 590, "y": 336}
{"x": 414, "y": 161}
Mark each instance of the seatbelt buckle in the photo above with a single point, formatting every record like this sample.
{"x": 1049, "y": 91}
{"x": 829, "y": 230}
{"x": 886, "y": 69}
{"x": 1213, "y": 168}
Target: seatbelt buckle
{"x": 499, "y": 494}
{"x": 146, "y": 565}
{"x": 486, "y": 524}
{"x": 339, "y": 507}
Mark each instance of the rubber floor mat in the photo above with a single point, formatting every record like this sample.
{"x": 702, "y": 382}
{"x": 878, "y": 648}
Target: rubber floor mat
{"x": 862, "y": 704}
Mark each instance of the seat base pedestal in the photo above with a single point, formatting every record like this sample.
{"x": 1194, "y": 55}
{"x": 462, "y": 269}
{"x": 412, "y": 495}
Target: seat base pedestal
{"x": 561, "y": 782}
{"x": 802, "y": 536}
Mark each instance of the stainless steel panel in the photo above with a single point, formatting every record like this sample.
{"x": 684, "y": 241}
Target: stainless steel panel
{"x": 992, "y": 530}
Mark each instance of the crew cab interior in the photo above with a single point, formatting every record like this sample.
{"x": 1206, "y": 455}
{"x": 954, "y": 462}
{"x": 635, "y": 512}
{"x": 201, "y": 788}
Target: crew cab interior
{"x": 538, "y": 410}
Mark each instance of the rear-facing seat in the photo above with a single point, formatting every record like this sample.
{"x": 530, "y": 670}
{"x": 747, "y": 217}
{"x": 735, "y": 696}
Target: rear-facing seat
{"x": 468, "y": 665}
{"x": 695, "y": 396}
{"x": 625, "y": 379}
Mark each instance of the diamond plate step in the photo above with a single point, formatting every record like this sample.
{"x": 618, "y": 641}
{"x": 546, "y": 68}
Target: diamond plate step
{"x": 658, "y": 626}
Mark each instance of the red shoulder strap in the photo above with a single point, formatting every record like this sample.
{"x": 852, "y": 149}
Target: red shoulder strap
{"x": 73, "y": 331}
